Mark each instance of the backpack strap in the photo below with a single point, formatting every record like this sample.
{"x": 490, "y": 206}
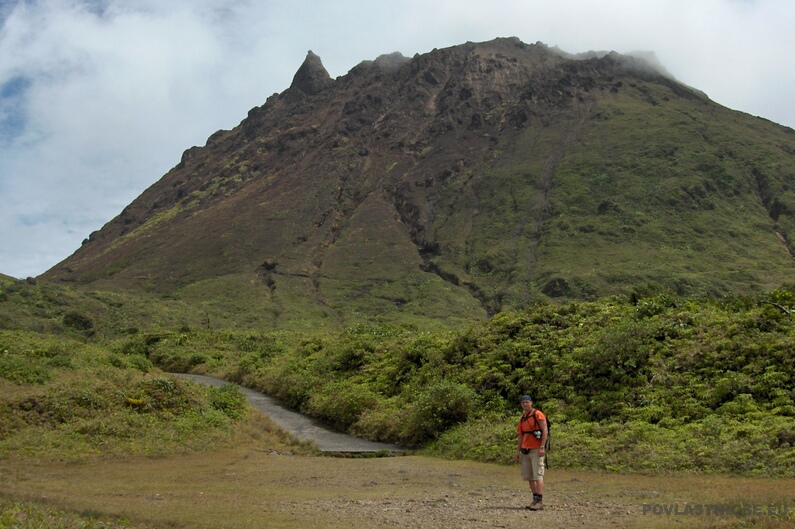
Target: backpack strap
{"x": 535, "y": 419}
{"x": 525, "y": 418}
{"x": 538, "y": 427}
{"x": 533, "y": 415}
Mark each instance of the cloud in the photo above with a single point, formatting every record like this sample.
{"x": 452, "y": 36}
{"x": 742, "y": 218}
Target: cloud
{"x": 96, "y": 102}
{"x": 98, "y": 98}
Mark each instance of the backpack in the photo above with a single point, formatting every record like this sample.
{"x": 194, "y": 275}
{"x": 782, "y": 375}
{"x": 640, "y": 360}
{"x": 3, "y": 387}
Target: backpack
{"x": 549, "y": 436}
{"x": 549, "y": 429}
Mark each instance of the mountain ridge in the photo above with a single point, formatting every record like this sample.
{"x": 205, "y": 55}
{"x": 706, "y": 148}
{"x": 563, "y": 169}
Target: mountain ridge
{"x": 458, "y": 183}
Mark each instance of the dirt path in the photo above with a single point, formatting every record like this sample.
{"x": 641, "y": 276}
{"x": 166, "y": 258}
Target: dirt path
{"x": 299, "y": 425}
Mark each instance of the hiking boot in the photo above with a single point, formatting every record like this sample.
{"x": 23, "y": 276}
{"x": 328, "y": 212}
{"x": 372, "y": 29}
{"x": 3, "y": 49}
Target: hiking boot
{"x": 532, "y": 506}
{"x": 536, "y": 506}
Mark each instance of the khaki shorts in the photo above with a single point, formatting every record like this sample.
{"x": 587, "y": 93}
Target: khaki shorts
{"x": 532, "y": 466}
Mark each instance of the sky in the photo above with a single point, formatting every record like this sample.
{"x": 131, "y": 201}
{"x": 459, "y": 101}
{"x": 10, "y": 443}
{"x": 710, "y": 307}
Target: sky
{"x": 99, "y": 98}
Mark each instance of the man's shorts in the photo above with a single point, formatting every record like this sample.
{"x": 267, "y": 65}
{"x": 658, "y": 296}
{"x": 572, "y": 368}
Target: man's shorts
{"x": 532, "y": 466}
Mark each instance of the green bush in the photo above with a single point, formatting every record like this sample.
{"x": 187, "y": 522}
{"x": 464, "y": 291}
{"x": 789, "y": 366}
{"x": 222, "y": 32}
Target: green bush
{"x": 654, "y": 366}
{"x": 79, "y": 398}
{"x": 159, "y": 394}
{"x": 136, "y": 345}
{"x": 197, "y": 359}
{"x": 646, "y": 372}
{"x": 22, "y": 370}
{"x": 141, "y": 363}
{"x": 291, "y": 380}
{"x": 383, "y": 422}
{"x": 61, "y": 361}
{"x": 230, "y": 400}
{"x": 437, "y": 408}
{"x": 78, "y": 321}
{"x": 753, "y": 444}
{"x": 491, "y": 438}
{"x": 117, "y": 361}
{"x": 341, "y": 403}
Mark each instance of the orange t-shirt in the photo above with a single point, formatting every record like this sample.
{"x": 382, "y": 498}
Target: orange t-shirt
{"x": 528, "y": 423}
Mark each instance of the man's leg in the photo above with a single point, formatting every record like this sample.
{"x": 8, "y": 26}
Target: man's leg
{"x": 533, "y": 485}
{"x": 537, "y": 484}
{"x": 528, "y": 475}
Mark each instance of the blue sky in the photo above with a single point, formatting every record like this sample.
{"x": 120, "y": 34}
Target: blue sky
{"x": 99, "y": 98}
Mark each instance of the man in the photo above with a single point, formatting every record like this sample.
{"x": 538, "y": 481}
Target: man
{"x": 532, "y": 435}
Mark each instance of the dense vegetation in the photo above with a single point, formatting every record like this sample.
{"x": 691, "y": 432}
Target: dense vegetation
{"x": 68, "y": 394}
{"x": 646, "y": 382}
{"x": 649, "y": 383}
{"x": 65, "y": 399}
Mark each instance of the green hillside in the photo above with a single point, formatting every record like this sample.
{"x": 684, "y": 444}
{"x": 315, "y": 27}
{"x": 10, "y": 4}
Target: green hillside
{"x": 630, "y": 383}
{"x": 632, "y": 189}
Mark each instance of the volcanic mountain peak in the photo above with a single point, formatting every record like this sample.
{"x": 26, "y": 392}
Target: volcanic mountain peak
{"x": 391, "y": 60}
{"x": 312, "y": 76}
{"x": 457, "y": 183}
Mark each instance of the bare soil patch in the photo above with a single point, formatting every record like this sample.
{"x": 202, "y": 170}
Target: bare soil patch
{"x": 255, "y": 486}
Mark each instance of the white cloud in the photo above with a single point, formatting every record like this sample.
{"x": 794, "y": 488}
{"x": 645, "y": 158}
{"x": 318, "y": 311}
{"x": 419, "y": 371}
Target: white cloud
{"x": 110, "y": 92}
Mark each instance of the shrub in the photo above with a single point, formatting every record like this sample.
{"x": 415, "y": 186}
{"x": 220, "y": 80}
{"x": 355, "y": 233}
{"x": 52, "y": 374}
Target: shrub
{"x": 291, "y": 380}
{"x": 351, "y": 356}
{"x": 491, "y": 438}
{"x": 158, "y": 394}
{"x": 63, "y": 361}
{"x": 340, "y": 404}
{"x": 141, "y": 363}
{"x": 197, "y": 359}
{"x": 383, "y": 422}
{"x": 442, "y": 405}
{"x": 23, "y": 371}
{"x": 229, "y": 399}
{"x": 117, "y": 361}
{"x": 136, "y": 345}
{"x": 78, "y": 321}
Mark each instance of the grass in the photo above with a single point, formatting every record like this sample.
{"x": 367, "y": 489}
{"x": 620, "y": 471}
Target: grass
{"x": 646, "y": 194}
{"x": 33, "y": 515}
{"x": 252, "y": 485}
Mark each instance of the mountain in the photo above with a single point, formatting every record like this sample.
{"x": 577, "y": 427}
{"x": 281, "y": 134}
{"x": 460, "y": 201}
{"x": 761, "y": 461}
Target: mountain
{"x": 456, "y": 184}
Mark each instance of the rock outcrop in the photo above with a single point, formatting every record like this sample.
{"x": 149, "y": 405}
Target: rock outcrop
{"x": 312, "y": 77}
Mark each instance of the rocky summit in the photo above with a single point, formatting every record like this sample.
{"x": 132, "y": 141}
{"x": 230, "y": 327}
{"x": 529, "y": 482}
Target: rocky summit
{"x": 456, "y": 184}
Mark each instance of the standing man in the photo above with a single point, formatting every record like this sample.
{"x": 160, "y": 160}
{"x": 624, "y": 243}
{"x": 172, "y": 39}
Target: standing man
{"x": 532, "y": 435}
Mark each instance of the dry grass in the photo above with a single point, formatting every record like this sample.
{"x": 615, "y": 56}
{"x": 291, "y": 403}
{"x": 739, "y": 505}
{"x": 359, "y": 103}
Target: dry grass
{"x": 266, "y": 484}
